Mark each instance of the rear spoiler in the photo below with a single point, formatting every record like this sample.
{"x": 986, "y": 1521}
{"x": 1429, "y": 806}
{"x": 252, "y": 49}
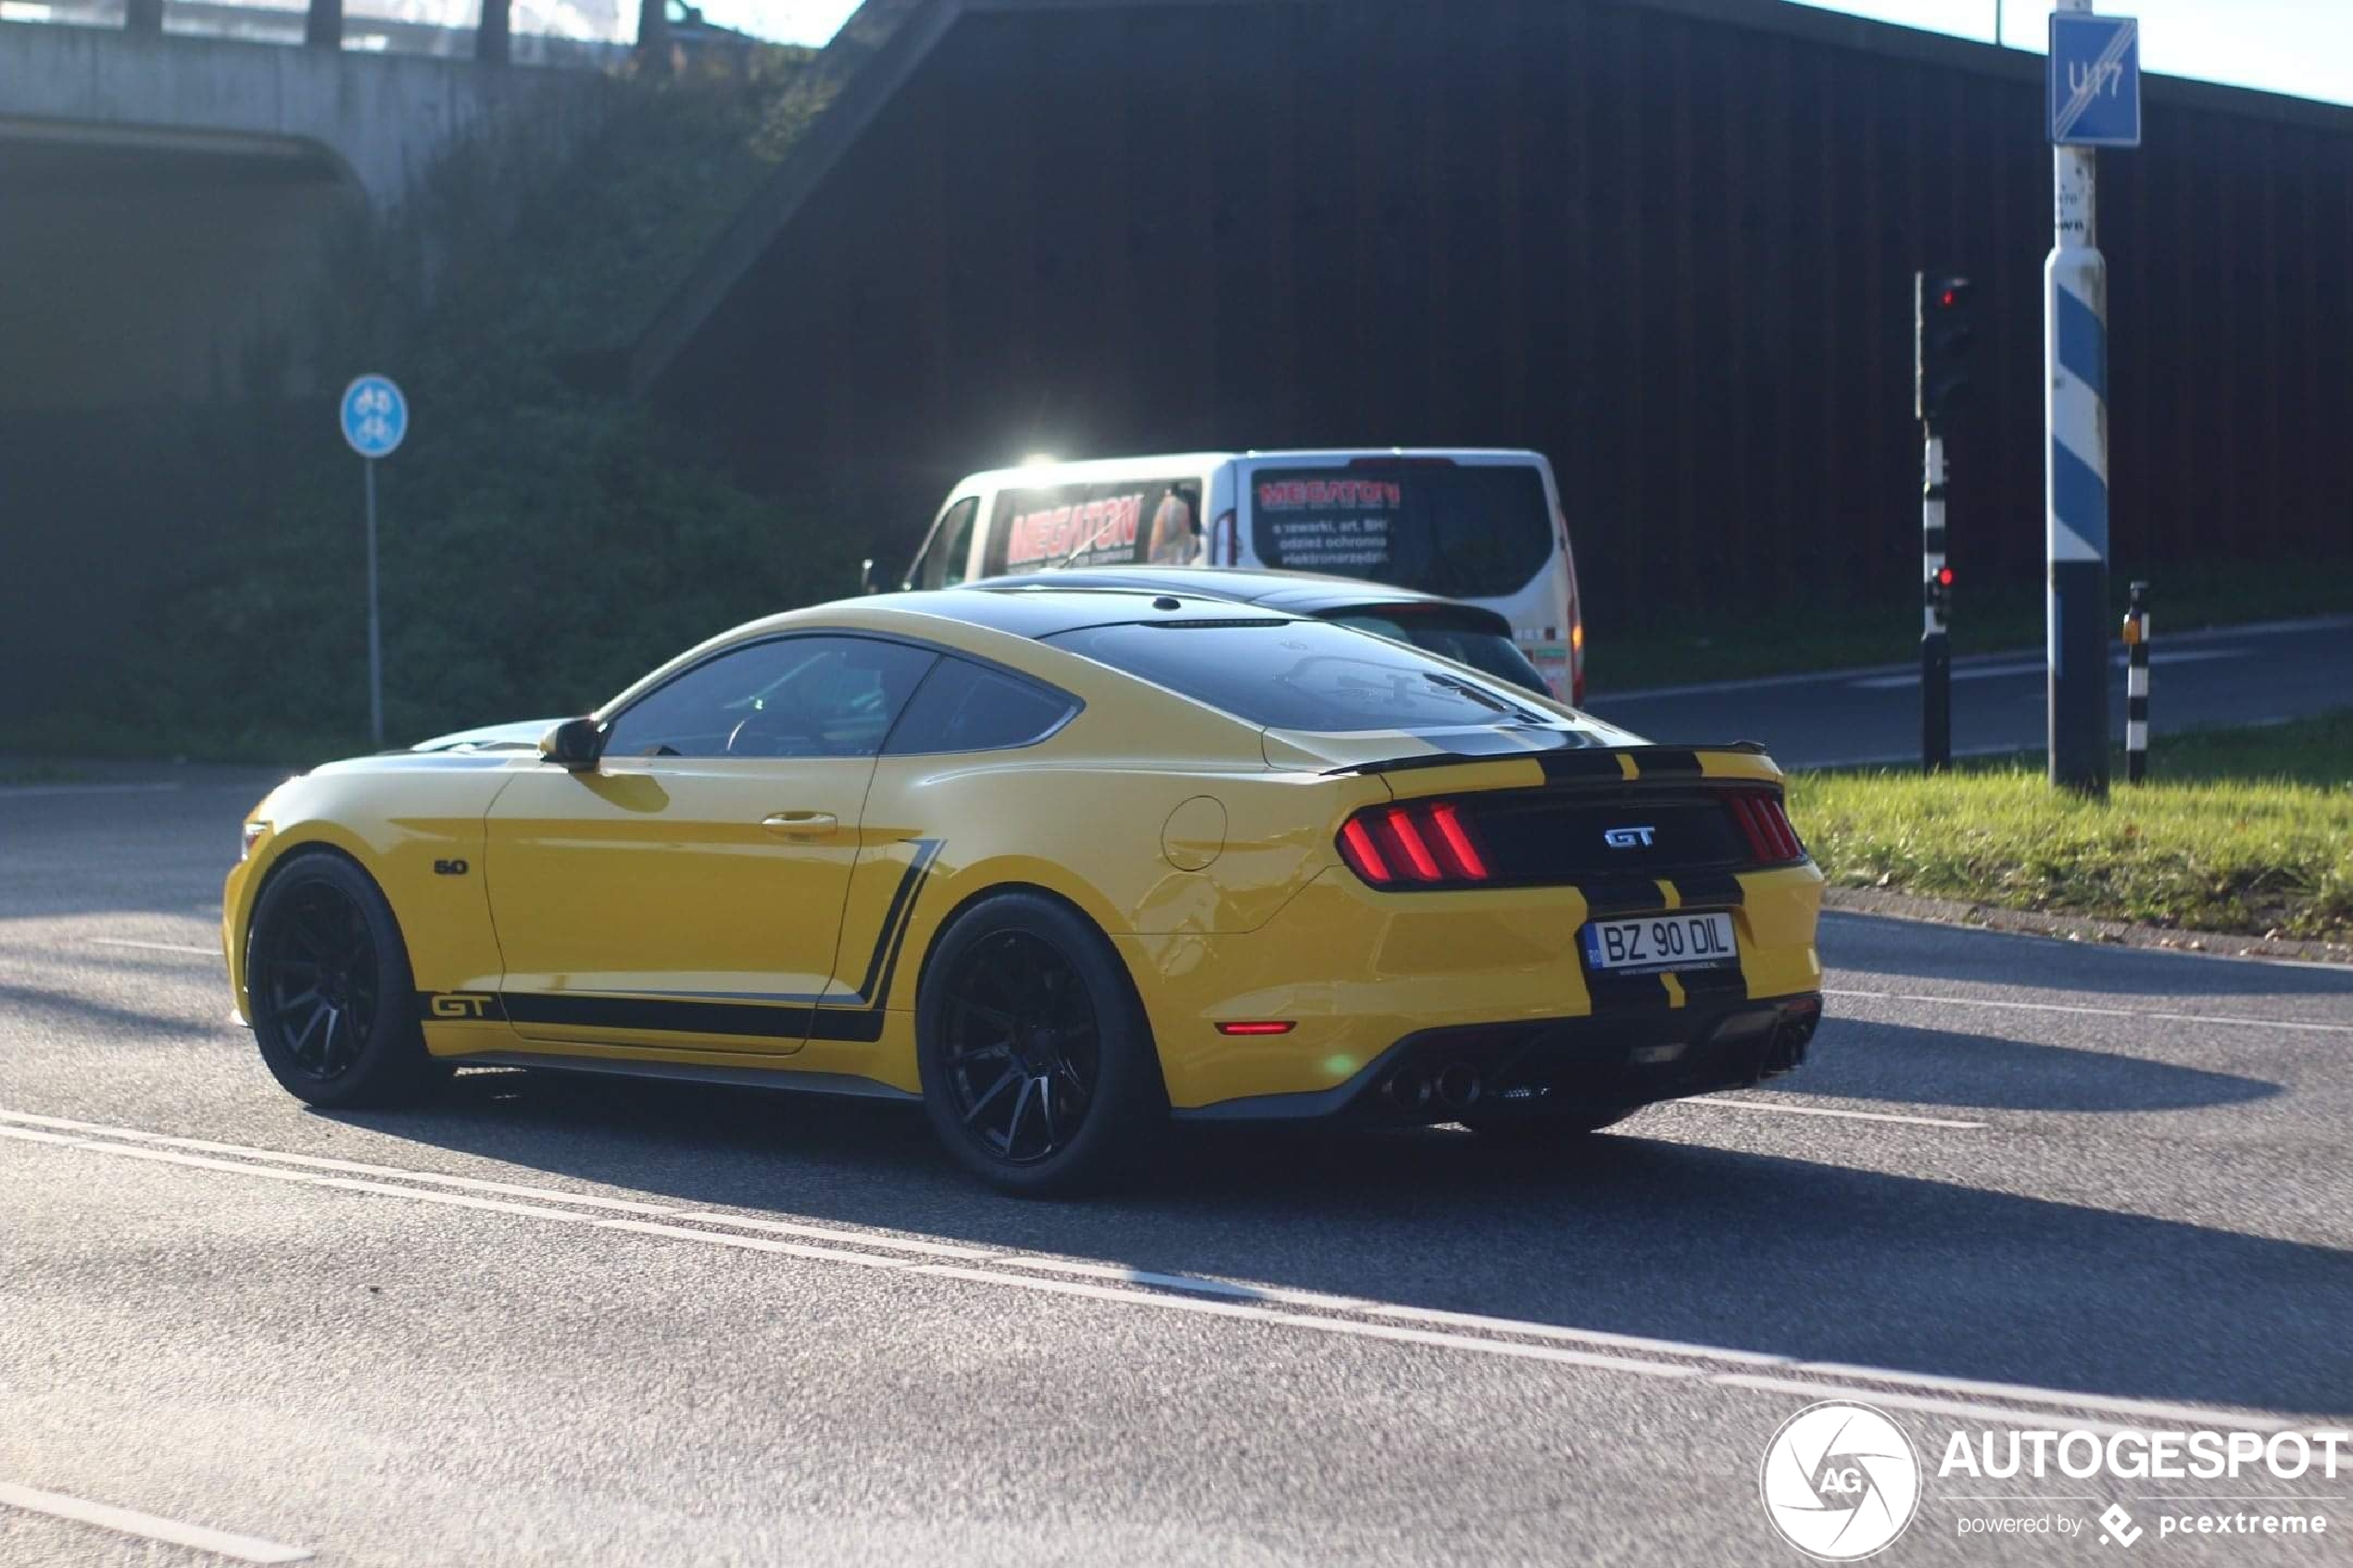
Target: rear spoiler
{"x": 1591, "y": 761}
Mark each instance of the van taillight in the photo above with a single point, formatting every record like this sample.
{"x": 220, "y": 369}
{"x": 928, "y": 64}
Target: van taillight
{"x": 1423, "y": 844}
{"x": 1771, "y": 840}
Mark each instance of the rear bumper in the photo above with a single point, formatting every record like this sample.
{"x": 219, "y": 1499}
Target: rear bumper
{"x": 1543, "y": 1067}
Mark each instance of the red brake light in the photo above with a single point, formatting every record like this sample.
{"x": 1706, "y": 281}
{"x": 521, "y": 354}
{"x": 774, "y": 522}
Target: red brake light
{"x": 1771, "y": 840}
{"x": 1363, "y": 856}
{"x": 1409, "y": 839}
{"x": 1258, "y": 1026}
{"x": 1424, "y": 841}
{"x": 1457, "y": 842}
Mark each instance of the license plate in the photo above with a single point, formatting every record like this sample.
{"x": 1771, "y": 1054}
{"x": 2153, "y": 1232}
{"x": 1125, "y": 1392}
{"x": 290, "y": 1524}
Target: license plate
{"x": 1656, "y": 943}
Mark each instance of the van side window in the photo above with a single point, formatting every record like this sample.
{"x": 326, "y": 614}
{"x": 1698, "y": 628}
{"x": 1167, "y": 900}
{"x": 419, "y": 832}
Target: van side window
{"x": 1107, "y": 522}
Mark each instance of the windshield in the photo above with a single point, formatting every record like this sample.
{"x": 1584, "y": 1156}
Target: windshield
{"x": 1463, "y": 531}
{"x": 1307, "y": 675}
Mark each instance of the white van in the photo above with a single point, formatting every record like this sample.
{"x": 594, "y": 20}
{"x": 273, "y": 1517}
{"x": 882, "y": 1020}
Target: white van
{"x": 1478, "y": 525}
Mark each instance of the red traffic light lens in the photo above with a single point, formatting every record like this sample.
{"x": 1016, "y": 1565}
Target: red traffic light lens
{"x": 1948, "y": 297}
{"x": 1943, "y": 576}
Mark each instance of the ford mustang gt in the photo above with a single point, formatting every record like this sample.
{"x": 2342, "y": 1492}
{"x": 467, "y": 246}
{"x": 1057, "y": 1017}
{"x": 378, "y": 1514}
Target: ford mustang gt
{"x": 1062, "y": 863}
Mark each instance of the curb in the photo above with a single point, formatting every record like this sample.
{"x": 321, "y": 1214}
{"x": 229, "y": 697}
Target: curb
{"x": 2082, "y": 928}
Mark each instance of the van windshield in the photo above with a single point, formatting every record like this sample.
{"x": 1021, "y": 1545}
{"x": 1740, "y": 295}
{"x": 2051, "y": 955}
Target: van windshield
{"x": 1468, "y": 531}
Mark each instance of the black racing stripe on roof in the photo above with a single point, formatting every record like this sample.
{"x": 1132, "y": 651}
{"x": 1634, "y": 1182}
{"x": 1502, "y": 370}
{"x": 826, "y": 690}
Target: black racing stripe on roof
{"x": 1668, "y": 761}
{"x": 1591, "y": 763}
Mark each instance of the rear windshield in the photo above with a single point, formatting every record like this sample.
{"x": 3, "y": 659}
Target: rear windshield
{"x": 1466, "y": 532}
{"x": 1306, "y": 675}
{"x": 1455, "y": 636}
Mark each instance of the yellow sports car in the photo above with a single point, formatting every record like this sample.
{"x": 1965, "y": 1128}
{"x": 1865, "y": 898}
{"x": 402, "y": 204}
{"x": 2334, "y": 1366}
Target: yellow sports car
{"x": 1061, "y": 862}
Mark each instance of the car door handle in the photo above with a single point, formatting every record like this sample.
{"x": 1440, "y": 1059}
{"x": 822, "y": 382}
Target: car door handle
{"x": 800, "y": 824}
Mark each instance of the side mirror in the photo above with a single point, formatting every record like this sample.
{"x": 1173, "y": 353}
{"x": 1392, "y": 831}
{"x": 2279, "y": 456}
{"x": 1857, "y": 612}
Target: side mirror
{"x": 575, "y": 744}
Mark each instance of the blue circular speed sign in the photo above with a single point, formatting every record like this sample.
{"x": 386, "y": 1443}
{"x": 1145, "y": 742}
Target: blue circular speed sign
{"x": 375, "y": 417}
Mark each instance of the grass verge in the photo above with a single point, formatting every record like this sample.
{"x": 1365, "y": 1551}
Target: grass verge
{"x": 2245, "y": 831}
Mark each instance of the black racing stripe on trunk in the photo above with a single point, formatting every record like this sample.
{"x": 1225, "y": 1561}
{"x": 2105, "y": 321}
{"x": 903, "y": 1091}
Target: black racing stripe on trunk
{"x": 1721, "y": 892}
{"x": 1580, "y": 765}
{"x": 1710, "y": 988}
{"x": 1611, "y": 900}
{"x": 1667, "y": 763}
{"x": 1621, "y": 994}
{"x": 750, "y": 1020}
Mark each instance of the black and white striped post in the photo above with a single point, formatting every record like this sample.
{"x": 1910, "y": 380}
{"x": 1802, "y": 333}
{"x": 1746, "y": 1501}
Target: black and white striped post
{"x": 2136, "y": 685}
{"x": 1936, "y": 648}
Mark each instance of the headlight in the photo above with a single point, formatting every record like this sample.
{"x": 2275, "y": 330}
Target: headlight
{"x": 253, "y": 835}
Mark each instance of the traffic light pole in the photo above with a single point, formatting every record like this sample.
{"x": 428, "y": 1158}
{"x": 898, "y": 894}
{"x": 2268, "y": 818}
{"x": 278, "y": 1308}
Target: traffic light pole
{"x": 2075, "y": 474}
{"x": 1936, "y": 652}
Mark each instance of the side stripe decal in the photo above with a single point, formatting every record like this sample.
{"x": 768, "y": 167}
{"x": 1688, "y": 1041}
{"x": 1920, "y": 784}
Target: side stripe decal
{"x": 857, "y": 1017}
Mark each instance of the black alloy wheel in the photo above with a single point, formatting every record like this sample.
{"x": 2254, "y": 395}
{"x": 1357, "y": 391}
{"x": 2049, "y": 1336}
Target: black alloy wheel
{"x": 318, "y": 978}
{"x": 1039, "y": 1071}
{"x": 327, "y": 977}
{"x": 1022, "y": 1047}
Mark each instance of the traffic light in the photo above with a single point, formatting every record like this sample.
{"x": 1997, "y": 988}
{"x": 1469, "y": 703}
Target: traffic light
{"x": 1944, "y": 335}
{"x": 1939, "y": 593}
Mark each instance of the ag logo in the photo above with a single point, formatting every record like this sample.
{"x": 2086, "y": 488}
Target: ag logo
{"x": 1839, "y": 1481}
{"x": 1627, "y": 838}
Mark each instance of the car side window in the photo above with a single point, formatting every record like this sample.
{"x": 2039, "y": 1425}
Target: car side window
{"x": 791, "y": 696}
{"x": 964, "y": 707}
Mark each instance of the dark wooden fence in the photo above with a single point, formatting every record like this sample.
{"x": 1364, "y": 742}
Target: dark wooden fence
{"x": 1667, "y": 242}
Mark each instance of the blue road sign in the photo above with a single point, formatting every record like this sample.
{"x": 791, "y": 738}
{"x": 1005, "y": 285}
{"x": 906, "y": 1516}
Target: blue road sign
{"x": 2096, "y": 80}
{"x": 375, "y": 417}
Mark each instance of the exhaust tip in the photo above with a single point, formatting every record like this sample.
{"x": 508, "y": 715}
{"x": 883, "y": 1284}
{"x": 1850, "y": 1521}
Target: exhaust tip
{"x": 1407, "y": 1089}
{"x": 1458, "y": 1085}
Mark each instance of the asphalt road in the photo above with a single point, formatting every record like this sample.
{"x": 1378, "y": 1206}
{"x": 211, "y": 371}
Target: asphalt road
{"x": 2022, "y": 1184}
{"x": 2239, "y": 676}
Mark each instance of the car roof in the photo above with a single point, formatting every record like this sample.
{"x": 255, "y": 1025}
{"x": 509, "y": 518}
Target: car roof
{"x": 1293, "y": 593}
{"x": 1042, "y": 611}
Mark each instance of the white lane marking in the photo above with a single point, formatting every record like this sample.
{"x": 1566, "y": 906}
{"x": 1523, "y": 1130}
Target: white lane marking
{"x": 2015, "y": 1391}
{"x": 1605, "y": 1352}
{"x": 2096, "y": 1013}
{"x": 2267, "y": 960}
{"x": 155, "y": 946}
{"x": 319, "y": 1163}
{"x": 1830, "y": 677}
{"x": 19, "y": 791}
{"x": 130, "y": 1522}
{"x": 819, "y": 1233}
{"x": 2034, "y": 667}
{"x": 1725, "y": 1104}
{"x": 1969, "y": 1410}
{"x": 753, "y": 1244}
{"x": 1327, "y": 1325}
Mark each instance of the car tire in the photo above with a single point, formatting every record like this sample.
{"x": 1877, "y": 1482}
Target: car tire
{"x": 333, "y": 1001}
{"x": 1542, "y": 1132}
{"x": 1039, "y": 1072}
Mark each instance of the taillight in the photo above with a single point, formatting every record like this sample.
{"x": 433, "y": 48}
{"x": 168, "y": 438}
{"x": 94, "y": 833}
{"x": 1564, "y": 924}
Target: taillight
{"x": 1425, "y": 842}
{"x": 1771, "y": 840}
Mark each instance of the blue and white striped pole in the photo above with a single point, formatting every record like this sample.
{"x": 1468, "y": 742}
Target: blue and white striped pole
{"x": 2075, "y": 479}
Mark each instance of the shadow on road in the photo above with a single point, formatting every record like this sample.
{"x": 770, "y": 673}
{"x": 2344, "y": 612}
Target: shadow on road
{"x": 1903, "y": 1065}
{"x": 1623, "y": 1232}
{"x": 1876, "y": 949}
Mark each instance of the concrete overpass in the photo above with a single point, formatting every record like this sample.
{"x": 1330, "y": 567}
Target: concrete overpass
{"x": 169, "y": 199}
